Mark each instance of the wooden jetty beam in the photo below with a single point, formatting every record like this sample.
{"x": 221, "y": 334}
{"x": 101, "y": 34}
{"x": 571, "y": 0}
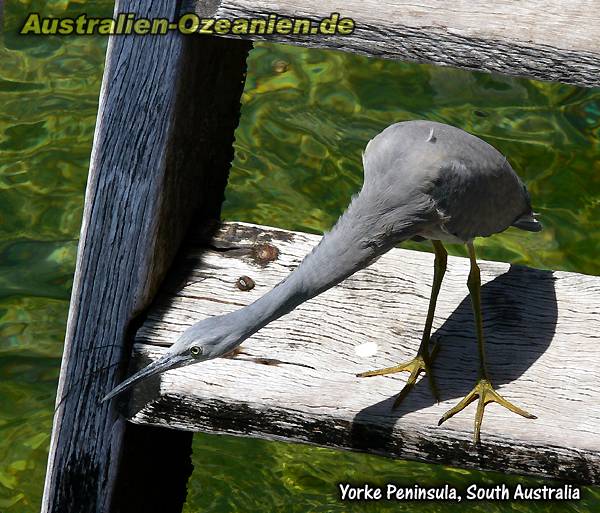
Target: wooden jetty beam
{"x": 546, "y": 40}
{"x": 295, "y": 379}
{"x": 169, "y": 106}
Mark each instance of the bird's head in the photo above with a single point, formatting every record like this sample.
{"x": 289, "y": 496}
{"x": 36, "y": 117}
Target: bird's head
{"x": 203, "y": 341}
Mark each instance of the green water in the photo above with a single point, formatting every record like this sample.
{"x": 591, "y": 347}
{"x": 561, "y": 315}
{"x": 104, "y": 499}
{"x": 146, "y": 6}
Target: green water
{"x": 306, "y": 117}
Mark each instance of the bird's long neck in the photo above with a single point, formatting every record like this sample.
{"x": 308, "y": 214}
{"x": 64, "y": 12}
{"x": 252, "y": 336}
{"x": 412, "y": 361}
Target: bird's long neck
{"x": 360, "y": 236}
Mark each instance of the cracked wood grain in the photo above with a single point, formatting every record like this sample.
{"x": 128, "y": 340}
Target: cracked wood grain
{"x": 162, "y": 148}
{"x": 542, "y": 330}
{"x": 545, "y": 40}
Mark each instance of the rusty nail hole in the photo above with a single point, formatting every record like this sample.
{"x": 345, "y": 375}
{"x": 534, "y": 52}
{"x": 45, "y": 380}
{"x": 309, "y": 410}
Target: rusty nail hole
{"x": 264, "y": 253}
{"x": 245, "y": 283}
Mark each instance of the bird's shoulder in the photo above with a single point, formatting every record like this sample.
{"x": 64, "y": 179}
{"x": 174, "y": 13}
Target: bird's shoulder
{"x": 429, "y": 147}
{"x": 471, "y": 182}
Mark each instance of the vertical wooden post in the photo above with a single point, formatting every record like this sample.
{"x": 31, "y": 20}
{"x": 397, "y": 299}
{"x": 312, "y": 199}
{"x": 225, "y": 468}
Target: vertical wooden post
{"x": 169, "y": 106}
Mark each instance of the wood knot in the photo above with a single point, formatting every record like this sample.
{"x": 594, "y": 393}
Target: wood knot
{"x": 245, "y": 283}
{"x": 265, "y": 253}
{"x": 280, "y": 66}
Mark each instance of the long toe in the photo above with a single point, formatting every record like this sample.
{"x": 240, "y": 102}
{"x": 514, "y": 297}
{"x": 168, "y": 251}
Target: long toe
{"x": 418, "y": 365}
{"x": 496, "y": 397}
{"x": 468, "y": 399}
{"x": 410, "y": 384}
{"x": 484, "y": 391}
{"x": 404, "y": 367}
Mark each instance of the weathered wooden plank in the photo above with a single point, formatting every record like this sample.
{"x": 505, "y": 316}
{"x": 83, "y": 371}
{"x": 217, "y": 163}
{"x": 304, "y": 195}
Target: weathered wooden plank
{"x": 296, "y": 378}
{"x": 162, "y": 148}
{"x": 546, "y": 40}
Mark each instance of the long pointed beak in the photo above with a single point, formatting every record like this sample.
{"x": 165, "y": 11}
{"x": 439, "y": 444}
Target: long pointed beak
{"x": 163, "y": 364}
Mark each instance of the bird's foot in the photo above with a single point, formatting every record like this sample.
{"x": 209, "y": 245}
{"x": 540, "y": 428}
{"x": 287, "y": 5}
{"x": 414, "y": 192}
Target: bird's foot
{"x": 486, "y": 394}
{"x": 420, "y": 363}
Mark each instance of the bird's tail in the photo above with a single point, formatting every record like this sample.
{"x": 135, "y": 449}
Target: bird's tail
{"x": 528, "y": 222}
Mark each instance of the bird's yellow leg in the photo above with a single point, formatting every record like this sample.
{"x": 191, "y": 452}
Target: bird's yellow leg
{"x": 483, "y": 390}
{"x": 422, "y": 362}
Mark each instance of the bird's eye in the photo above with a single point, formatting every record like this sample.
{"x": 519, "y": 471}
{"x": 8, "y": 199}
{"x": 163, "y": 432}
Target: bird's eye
{"x": 195, "y": 351}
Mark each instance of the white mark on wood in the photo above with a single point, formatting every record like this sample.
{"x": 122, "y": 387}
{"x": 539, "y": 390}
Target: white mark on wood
{"x": 366, "y": 349}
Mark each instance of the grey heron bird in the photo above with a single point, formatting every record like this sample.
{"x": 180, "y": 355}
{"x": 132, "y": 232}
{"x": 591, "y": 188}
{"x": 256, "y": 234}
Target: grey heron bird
{"x": 422, "y": 180}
